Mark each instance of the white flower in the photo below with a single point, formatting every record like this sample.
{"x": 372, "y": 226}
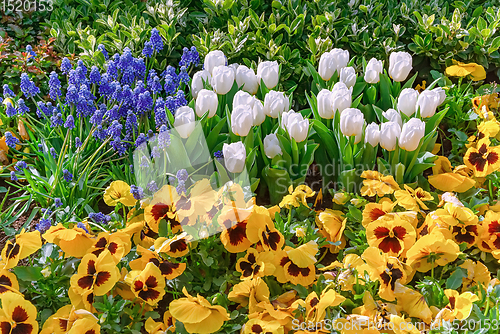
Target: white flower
{"x": 407, "y": 101}
{"x": 234, "y": 156}
{"x": 389, "y": 134}
{"x": 275, "y": 103}
{"x": 400, "y": 65}
{"x": 427, "y": 102}
{"x": 332, "y": 61}
{"x": 372, "y": 134}
{"x": 296, "y": 125}
{"x": 393, "y": 115}
{"x": 348, "y": 76}
{"x": 351, "y": 122}
{"x": 241, "y": 120}
{"x": 206, "y": 101}
{"x": 197, "y": 82}
{"x": 272, "y": 146}
{"x": 373, "y": 70}
{"x": 325, "y": 104}
{"x": 242, "y": 98}
{"x": 222, "y": 79}
{"x": 411, "y": 134}
{"x": 247, "y": 78}
{"x": 268, "y": 71}
{"x": 184, "y": 121}
{"x": 258, "y": 112}
{"x": 342, "y": 97}
{"x": 214, "y": 59}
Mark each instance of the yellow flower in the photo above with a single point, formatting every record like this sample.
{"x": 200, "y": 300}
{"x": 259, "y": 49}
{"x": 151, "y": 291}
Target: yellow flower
{"x": 484, "y": 160}
{"x": 392, "y": 236}
{"x": 148, "y": 285}
{"x": 297, "y": 196}
{"x": 168, "y": 325}
{"x": 476, "y": 71}
{"x": 17, "y": 315}
{"x": 377, "y": 184}
{"x": 24, "y": 245}
{"x": 332, "y": 224}
{"x": 413, "y": 303}
{"x": 73, "y": 242}
{"x": 250, "y": 292}
{"x": 413, "y": 199}
{"x": 119, "y": 192}
{"x": 197, "y": 315}
{"x": 431, "y": 251}
{"x": 258, "y": 326}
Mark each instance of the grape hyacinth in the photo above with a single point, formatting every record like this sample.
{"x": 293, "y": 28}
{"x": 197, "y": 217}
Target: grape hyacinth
{"x": 57, "y": 202}
{"x": 66, "y": 65}
{"x": 28, "y": 87}
{"x": 20, "y": 165}
{"x": 148, "y": 50}
{"x": 7, "y": 92}
{"x": 152, "y": 187}
{"x": 99, "y": 218}
{"x": 10, "y": 111}
{"x": 30, "y": 52}
{"x": 21, "y": 107}
{"x": 53, "y": 153}
{"x": 70, "y": 122}
{"x": 78, "y": 142}
{"x": 43, "y": 225}
{"x": 103, "y": 51}
{"x": 137, "y": 192}
{"x": 82, "y": 226}
{"x": 68, "y": 177}
{"x": 13, "y": 176}
{"x": 54, "y": 86}
{"x": 156, "y": 40}
{"x": 10, "y": 140}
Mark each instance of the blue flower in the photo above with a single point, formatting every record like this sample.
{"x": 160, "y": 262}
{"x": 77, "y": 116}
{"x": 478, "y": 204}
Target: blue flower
{"x": 103, "y": 51}
{"x": 20, "y": 165}
{"x": 112, "y": 70}
{"x": 189, "y": 57}
{"x": 100, "y": 133}
{"x": 156, "y": 40}
{"x": 71, "y": 95}
{"x": 82, "y": 226}
{"x": 28, "y": 87}
{"x": 43, "y": 225}
{"x": 140, "y": 68}
{"x": 144, "y": 103}
{"x": 144, "y": 162}
{"x": 160, "y": 116}
{"x": 219, "y": 155}
{"x": 95, "y": 75}
{"x": 13, "y": 176}
{"x": 141, "y": 139}
{"x": 66, "y": 65}
{"x": 78, "y": 142}
{"x": 53, "y": 153}
{"x": 105, "y": 87}
{"x": 155, "y": 85}
{"x": 148, "y": 50}
{"x": 164, "y": 137}
{"x": 115, "y": 130}
{"x": 10, "y": 140}
{"x": 182, "y": 175}
{"x": 30, "y": 51}
{"x": 57, "y": 202}
{"x": 70, "y": 122}
{"x": 80, "y": 65}
{"x": 152, "y": 187}
{"x": 43, "y": 110}
{"x": 7, "y": 92}
{"x": 21, "y": 107}
{"x": 10, "y": 111}
{"x": 181, "y": 187}
{"x": 99, "y": 218}
{"x": 56, "y": 120}
{"x": 67, "y": 175}
{"x": 137, "y": 192}
{"x": 54, "y": 86}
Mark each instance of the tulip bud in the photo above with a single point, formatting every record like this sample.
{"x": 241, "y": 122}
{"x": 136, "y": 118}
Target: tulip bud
{"x": 325, "y": 104}
{"x": 373, "y": 70}
{"x": 234, "y": 67}
{"x": 342, "y": 97}
{"x": 241, "y": 120}
{"x": 372, "y": 134}
{"x": 206, "y": 101}
{"x": 222, "y": 79}
{"x": 427, "y": 102}
{"x": 234, "y": 156}
{"x": 389, "y": 134}
{"x": 332, "y": 61}
{"x": 214, "y": 59}
{"x": 442, "y": 94}
{"x": 184, "y": 121}
{"x": 242, "y": 98}
{"x": 412, "y": 132}
{"x": 272, "y": 146}
{"x": 268, "y": 71}
{"x": 400, "y": 65}
{"x": 296, "y": 125}
{"x": 246, "y": 77}
{"x": 407, "y": 101}
{"x": 393, "y": 116}
{"x": 197, "y": 82}
{"x": 351, "y": 122}
{"x": 348, "y": 76}
{"x": 258, "y": 112}
{"x": 275, "y": 103}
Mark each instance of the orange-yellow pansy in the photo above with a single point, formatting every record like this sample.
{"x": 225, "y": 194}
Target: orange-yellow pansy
{"x": 377, "y": 184}
{"x": 119, "y": 192}
{"x": 17, "y": 315}
{"x": 431, "y": 251}
{"x": 460, "y": 69}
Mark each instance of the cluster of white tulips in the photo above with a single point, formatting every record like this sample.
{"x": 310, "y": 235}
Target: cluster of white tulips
{"x": 352, "y": 121}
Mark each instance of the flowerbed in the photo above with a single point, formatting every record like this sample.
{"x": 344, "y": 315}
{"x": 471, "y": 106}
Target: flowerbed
{"x": 183, "y": 199}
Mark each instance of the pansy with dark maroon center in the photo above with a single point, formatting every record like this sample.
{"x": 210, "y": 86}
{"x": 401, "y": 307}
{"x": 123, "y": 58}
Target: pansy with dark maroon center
{"x": 249, "y": 267}
{"x": 101, "y": 246}
{"x": 178, "y": 246}
{"x": 391, "y": 238}
{"x": 466, "y": 234}
{"x": 271, "y": 239}
{"x": 12, "y": 250}
{"x": 482, "y": 157}
{"x": 238, "y": 233}
{"x": 295, "y": 271}
{"x": 160, "y": 210}
{"x": 147, "y": 289}
{"x": 184, "y": 203}
{"x": 147, "y": 232}
{"x": 5, "y": 283}
{"x": 376, "y": 213}
{"x": 19, "y": 316}
{"x": 390, "y": 276}
{"x": 166, "y": 267}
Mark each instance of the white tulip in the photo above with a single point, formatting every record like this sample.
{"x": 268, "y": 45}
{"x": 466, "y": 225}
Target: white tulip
{"x": 296, "y": 125}
{"x": 393, "y": 115}
{"x": 268, "y": 71}
{"x": 442, "y": 94}
{"x": 222, "y": 79}
{"x": 372, "y": 134}
{"x": 427, "y": 102}
{"x": 351, "y": 122}
{"x": 206, "y": 101}
{"x": 342, "y": 97}
{"x": 243, "y": 98}
{"x": 241, "y": 120}
{"x": 258, "y": 112}
{"x": 234, "y": 67}
{"x": 234, "y": 156}
{"x": 272, "y": 146}
{"x": 407, "y": 101}
{"x": 325, "y": 104}
{"x": 400, "y": 65}
{"x": 389, "y": 134}
{"x": 197, "y": 82}
{"x": 275, "y": 103}
{"x": 214, "y": 59}
{"x": 184, "y": 121}
{"x": 373, "y": 70}
{"x": 411, "y": 134}
{"x": 247, "y": 78}
{"x": 332, "y": 61}
{"x": 348, "y": 76}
